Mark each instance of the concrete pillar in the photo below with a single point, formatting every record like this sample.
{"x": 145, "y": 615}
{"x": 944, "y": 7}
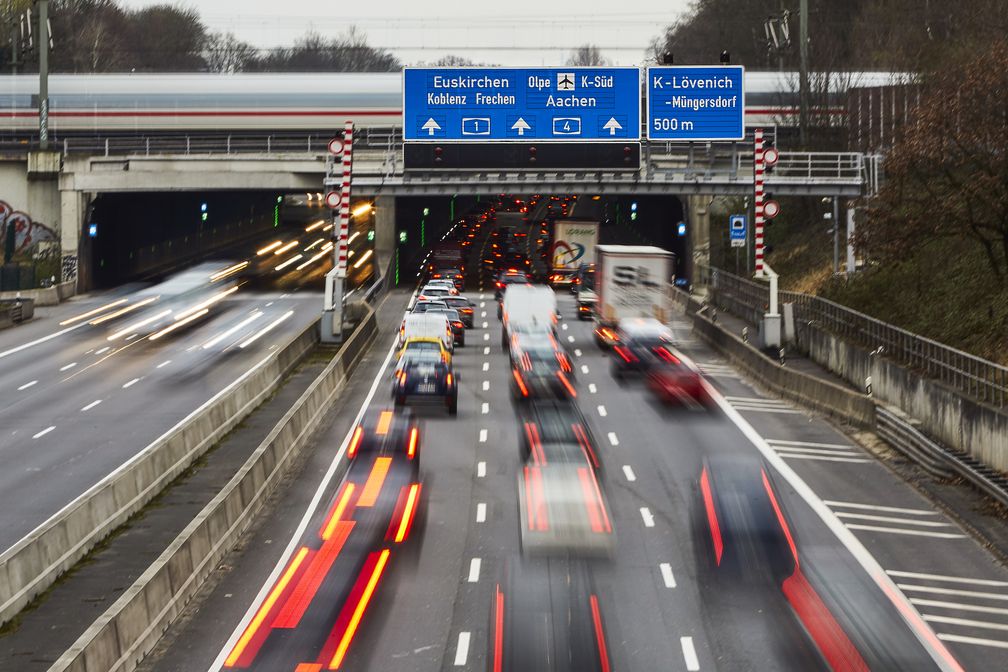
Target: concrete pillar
{"x": 697, "y": 212}
{"x": 385, "y": 242}
{"x": 73, "y": 208}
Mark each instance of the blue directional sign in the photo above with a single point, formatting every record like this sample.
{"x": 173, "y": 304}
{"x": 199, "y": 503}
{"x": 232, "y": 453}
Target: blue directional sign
{"x": 737, "y": 226}
{"x": 521, "y": 104}
{"x": 696, "y": 102}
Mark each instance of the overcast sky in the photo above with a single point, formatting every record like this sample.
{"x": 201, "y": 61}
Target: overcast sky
{"x": 510, "y": 32}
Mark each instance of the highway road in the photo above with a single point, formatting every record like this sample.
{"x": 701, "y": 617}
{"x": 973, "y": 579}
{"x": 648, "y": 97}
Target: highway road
{"x": 664, "y": 601}
{"x": 82, "y": 399}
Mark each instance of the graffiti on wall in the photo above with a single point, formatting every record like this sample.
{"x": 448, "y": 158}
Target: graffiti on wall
{"x": 27, "y": 231}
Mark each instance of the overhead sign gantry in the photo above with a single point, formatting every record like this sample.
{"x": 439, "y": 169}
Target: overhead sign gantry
{"x": 521, "y": 104}
{"x": 696, "y": 102}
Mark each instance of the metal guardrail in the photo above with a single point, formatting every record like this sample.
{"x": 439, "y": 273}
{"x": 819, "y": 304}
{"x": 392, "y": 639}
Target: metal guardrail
{"x": 977, "y": 377}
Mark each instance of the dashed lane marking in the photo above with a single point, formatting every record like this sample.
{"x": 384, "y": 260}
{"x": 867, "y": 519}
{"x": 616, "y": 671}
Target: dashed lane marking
{"x": 570, "y": 339}
{"x": 486, "y": 366}
{"x": 68, "y": 366}
{"x": 481, "y": 470}
{"x": 613, "y": 439}
{"x": 474, "y": 570}
{"x": 666, "y": 572}
{"x": 628, "y": 472}
{"x": 91, "y": 405}
{"x": 577, "y": 352}
{"x": 645, "y": 513}
{"x": 483, "y": 436}
{"x": 485, "y": 408}
{"x": 131, "y": 383}
{"x": 481, "y": 512}
{"x": 462, "y": 649}
{"x": 602, "y": 411}
{"x": 689, "y": 654}
{"x": 44, "y": 432}
{"x": 164, "y": 363}
{"x": 27, "y": 385}
{"x": 592, "y": 388}
{"x": 486, "y": 385}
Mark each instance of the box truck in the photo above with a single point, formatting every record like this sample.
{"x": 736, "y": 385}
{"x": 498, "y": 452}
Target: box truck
{"x": 630, "y": 281}
{"x": 573, "y": 245}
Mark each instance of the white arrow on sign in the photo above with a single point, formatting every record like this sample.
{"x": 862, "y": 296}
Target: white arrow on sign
{"x": 521, "y": 126}
{"x": 612, "y": 126}
{"x": 430, "y": 126}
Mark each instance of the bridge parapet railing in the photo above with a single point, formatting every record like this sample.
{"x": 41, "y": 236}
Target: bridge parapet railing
{"x": 975, "y": 376}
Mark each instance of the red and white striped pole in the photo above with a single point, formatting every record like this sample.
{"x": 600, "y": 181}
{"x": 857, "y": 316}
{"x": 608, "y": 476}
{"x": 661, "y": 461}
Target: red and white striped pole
{"x": 758, "y": 168}
{"x": 344, "y": 208}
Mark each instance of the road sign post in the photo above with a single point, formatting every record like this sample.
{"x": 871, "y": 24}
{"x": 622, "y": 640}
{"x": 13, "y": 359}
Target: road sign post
{"x": 521, "y": 104}
{"x": 737, "y": 226}
{"x": 696, "y": 102}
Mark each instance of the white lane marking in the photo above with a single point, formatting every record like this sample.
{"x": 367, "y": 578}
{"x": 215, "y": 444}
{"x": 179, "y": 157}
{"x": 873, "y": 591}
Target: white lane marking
{"x": 946, "y": 578}
{"x": 131, "y": 383}
{"x": 564, "y": 326}
{"x": 486, "y": 350}
{"x": 755, "y": 400}
{"x": 68, "y": 366}
{"x": 482, "y": 313}
{"x": 577, "y": 352}
{"x": 764, "y": 409}
{"x": 481, "y": 512}
{"x": 613, "y": 439}
{"x": 486, "y": 366}
{"x": 891, "y": 519}
{"x": 164, "y": 363}
{"x": 823, "y": 458}
{"x": 313, "y": 506}
{"x": 462, "y": 650}
{"x": 959, "y": 606}
{"x": 835, "y": 452}
{"x": 486, "y": 337}
{"x": 482, "y": 303}
{"x": 486, "y": 324}
{"x": 27, "y": 385}
{"x": 44, "y": 431}
{"x": 570, "y": 339}
{"x": 628, "y": 472}
{"x": 645, "y": 513}
{"x": 592, "y": 388}
{"x": 897, "y": 530}
{"x": 105, "y": 349}
{"x": 91, "y": 405}
{"x": 952, "y": 591}
{"x": 40, "y": 340}
{"x": 485, "y": 408}
{"x": 809, "y": 444}
{"x": 979, "y": 641}
{"x": 486, "y": 385}
{"x": 602, "y": 411}
{"x": 481, "y": 470}
{"x": 474, "y": 570}
{"x": 689, "y": 654}
{"x": 483, "y": 436}
{"x": 969, "y": 622}
{"x": 666, "y": 572}
{"x": 584, "y": 368}
{"x": 876, "y": 507}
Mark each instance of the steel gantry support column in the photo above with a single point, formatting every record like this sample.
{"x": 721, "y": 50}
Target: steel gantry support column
{"x": 332, "y": 308}
{"x": 385, "y": 242}
{"x": 758, "y": 167}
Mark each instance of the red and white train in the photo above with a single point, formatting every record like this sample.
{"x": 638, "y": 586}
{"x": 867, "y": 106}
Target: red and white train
{"x": 150, "y": 103}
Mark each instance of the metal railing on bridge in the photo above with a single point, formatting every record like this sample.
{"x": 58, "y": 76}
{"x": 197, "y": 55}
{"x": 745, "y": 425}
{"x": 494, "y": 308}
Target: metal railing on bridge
{"x": 979, "y": 378}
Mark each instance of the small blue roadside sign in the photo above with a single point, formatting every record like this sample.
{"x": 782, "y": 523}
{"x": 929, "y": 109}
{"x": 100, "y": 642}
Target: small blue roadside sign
{"x": 696, "y": 102}
{"x": 737, "y": 227}
{"x": 521, "y": 104}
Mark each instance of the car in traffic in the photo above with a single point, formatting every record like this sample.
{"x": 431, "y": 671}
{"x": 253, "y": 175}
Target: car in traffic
{"x": 417, "y": 344}
{"x": 639, "y": 340}
{"x": 423, "y": 305}
{"x": 540, "y": 370}
{"x": 454, "y": 275}
{"x": 464, "y": 306}
{"x": 511, "y": 276}
{"x": 454, "y": 322}
{"x": 675, "y": 381}
{"x": 431, "y": 323}
{"x": 562, "y": 278}
{"x": 424, "y": 375}
{"x": 555, "y": 430}
{"x": 429, "y": 293}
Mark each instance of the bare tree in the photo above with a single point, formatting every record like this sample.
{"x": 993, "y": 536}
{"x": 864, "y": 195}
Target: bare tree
{"x": 226, "y": 53}
{"x": 947, "y": 177}
{"x": 587, "y": 55}
{"x": 164, "y": 38}
{"x": 314, "y": 53}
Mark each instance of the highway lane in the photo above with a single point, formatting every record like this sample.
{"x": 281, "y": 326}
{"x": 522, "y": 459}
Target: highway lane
{"x": 78, "y": 406}
{"x": 662, "y": 601}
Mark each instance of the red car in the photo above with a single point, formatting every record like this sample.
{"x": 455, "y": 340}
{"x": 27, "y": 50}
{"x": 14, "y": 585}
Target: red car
{"x": 673, "y": 381}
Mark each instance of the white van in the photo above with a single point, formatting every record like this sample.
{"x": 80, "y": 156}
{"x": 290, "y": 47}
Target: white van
{"x": 431, "y": 325}
{"x": 528, "y": 309}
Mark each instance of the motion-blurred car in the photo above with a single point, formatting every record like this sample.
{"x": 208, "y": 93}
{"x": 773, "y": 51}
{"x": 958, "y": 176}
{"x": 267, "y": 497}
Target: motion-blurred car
{"x": 455, "y": 275}
{"x": 422, "y": 306}
{"x": 511, "y": 276}
{"x": 464, "y": 306}
{"x": 639, "y": 340}
{"x": 454, "y": 321}
{"x": 545, "y": 615}
{"x": 674, "y": 381}
{"x": 556, "y": 431}
{"x": 423, "y": 375}
{"x": 562, "y": 510}
{"x": 539, "y": 369}
{"x": 429, "y": 293}
{"x": 562, "y": 278}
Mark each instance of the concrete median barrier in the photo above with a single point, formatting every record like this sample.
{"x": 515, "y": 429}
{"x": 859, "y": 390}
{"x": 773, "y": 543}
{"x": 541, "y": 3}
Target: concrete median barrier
{"x": 130, "y": 628}
{"x": 32, "y": 564}
{"x": 823, "y": 396}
